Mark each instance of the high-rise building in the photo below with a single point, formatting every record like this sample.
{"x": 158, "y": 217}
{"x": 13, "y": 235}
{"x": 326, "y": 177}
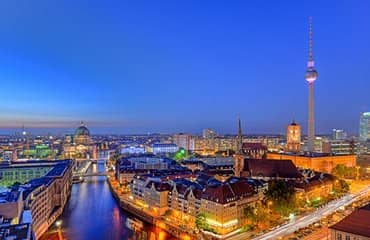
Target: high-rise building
{"x": 365, "y": 126}
{"x": 209, "y": 133}
{"x": 311, "y": 76}
{"x": 185, "y": 141}
{"x": 293, "y": 137}
{"x": 340, "y": 147}
{"x": 339, "y": 134}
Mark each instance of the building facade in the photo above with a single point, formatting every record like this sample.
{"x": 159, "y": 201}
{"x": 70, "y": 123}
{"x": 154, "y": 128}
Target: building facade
{"x": 293, "y": 137}
{"x": 42, "y": 198}
{"x": 162, "y": 148}
{"x": 353, "y": 227}
{"x": 318, "y": 162}
{"x": 222, "y": 203}
{"x": 364, "y": 127}
{"x": 339, "y": 134}
{"x": 185, "y": 141}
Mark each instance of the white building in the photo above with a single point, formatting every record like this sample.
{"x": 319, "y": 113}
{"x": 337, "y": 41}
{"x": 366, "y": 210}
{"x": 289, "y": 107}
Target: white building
{"x": 365, "y": 126}
{"x": 132, "y": 150}
{"x": 159, "y": 148}
{"x": 185, "y": 141}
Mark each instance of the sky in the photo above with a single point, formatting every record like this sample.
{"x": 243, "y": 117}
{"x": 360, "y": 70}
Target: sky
{"x": 181, "y": 66}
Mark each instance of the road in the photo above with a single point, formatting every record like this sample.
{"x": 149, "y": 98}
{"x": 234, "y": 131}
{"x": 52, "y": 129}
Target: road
{"x": 306, "y": 220}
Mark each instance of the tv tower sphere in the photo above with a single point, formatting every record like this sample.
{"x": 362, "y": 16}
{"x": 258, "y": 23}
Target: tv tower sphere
{"x": 311, "y": 75}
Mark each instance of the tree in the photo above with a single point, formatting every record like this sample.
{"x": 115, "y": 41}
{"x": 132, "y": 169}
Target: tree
{"x": 282, "y": 196}
{"x": 342, "y": 171}
{"x": 181, "y": 154}
{"x": 168, "y": 213}
{"x": 279, "y": 191}
{"x": 340, "y": 187}
{"x": 249, "y": 213}
{"x": 201, "y": 223}
{"x": 256, "y": 214}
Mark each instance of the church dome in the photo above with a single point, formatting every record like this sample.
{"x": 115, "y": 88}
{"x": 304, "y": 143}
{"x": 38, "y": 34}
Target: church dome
{"x": 82, "y": 130}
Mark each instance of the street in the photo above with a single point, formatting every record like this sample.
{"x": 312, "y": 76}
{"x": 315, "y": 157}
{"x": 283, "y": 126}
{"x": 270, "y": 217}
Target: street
{"x": 306, "y": 220}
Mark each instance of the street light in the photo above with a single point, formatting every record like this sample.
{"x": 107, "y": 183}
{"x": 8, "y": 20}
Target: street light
{"x": 269, "y": 203}
{"x": 58, "y": 223}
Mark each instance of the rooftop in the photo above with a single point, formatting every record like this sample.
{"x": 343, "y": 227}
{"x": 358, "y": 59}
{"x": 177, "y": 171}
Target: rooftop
{"x": 271, "y": 168}
{"x": 10, "y": 196}
{"x": 356, "y": 223}
{"x": 59, "y": 169}
{"x": 307, "y": 154}
{"x": 18, "y": 231}
{"x": 228, "y": 191}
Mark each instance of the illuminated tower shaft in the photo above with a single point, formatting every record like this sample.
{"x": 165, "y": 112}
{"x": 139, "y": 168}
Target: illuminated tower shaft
{"x": 311, "y": 118}
{"x": 311, "y": 76}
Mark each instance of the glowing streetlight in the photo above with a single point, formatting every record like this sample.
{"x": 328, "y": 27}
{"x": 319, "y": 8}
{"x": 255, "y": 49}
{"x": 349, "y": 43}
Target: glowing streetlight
{"x": 58, "y": 223}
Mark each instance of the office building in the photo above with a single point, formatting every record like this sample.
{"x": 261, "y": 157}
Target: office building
{"x": 340, "y": 147}
{"x": 41, "y": 200}
{"x": 209, "y": 133}
{"x": 364, "y": 127}
{"x": 339, "y": 134}
{"x": 185, "y": 141}
{"x": 161, "y": 148}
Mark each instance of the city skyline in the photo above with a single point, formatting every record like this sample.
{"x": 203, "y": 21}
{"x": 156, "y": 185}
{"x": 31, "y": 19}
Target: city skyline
{"x": 192, "y": 120}
{"x": 204, "y": 69}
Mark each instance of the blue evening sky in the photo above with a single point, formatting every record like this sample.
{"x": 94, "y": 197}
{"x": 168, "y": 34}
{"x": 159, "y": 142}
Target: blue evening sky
{"x": 180, "y": 66}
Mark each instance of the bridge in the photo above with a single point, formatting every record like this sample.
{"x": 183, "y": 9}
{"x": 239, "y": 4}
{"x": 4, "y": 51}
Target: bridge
{"x": 82, "y": 170}
{"x": 93, "y": 174}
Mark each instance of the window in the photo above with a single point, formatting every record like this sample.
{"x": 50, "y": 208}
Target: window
{"x": 348, "y": 237}
{"x": 339, "y": 236}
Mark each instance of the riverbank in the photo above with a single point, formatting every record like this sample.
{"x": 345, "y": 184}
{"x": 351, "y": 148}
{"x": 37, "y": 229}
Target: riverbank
{"x": 92, "y": 203}
{"x": 139, "y": 212}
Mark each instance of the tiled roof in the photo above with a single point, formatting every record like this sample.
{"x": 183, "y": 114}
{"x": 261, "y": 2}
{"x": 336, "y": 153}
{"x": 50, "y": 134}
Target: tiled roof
{"x": 367, "y": 207}
{"x": 254, "y": 146}
{"x": 317, "y": 180}
{"x": 271, "y": 168}
{"x": 228, "y": 192}
{"x": 159, "y": 186}
{"x": 356, "y": 223}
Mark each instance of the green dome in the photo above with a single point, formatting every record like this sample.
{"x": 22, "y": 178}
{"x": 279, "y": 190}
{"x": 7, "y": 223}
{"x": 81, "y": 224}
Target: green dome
{"x": 82, "y": 130}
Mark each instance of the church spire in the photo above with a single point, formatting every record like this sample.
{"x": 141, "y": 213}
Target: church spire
{"x": 240, "y": 137}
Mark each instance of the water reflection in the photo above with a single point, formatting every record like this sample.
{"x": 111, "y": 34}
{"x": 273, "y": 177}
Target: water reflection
{"x": 92, "y": 213}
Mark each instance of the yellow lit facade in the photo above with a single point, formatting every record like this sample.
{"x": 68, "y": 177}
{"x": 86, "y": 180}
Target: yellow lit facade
{"x": 293, "y": 136}
{"x": 324, "y": 163}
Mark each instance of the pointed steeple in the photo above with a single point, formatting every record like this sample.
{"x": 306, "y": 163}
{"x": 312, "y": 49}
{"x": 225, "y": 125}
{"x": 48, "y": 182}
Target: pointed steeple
{"x": 24, "y": 130}
{"x": 240, "y": 137}
{"x": 293, "y": 122}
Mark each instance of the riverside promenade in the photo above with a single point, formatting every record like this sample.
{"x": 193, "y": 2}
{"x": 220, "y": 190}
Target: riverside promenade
{"x": 138, "y": 211}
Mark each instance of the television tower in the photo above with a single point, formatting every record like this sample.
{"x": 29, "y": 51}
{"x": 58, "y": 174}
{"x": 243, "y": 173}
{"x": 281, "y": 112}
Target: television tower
{"x": 311, "y": 76}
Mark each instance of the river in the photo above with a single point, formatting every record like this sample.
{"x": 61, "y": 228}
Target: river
{"x": 93, "y": 214}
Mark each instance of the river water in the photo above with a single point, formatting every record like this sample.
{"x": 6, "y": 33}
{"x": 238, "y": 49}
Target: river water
{"x": 93, "y": 214}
